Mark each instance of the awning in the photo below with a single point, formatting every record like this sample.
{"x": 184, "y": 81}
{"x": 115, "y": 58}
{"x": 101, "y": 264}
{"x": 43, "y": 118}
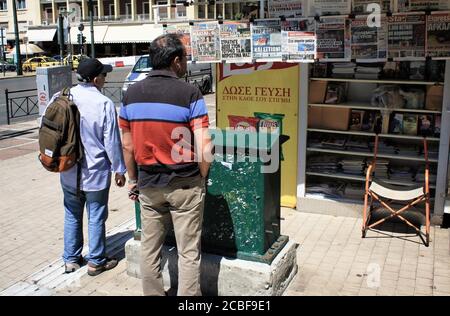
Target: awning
{"x": 28, "y": 49}
{"x": 99, "y": 34}
{"x": 41, "y": 35}
{"x": 144, "y": 33}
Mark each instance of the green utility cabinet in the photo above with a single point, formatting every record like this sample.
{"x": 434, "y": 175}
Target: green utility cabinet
{"x": 242, "y": 205}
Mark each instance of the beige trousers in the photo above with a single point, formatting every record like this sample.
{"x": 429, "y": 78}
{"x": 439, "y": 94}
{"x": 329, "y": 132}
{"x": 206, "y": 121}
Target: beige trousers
{"x": 183, "y": 201}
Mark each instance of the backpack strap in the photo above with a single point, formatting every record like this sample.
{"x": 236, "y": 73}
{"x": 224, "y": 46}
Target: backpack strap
{"x": 65, "y": 92}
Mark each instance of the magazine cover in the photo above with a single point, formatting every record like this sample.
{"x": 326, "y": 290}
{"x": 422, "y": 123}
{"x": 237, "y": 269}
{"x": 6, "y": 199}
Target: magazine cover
{"x": 329, "y": 7}
{"x": 266, "y": 38}
{"x": 397, "y": 124}
{"x": 333, "y": 39}
{"x": 287, "y": 8}
{"x": 410, "y": 124}
{"x": 299, "y": 46}
{"x": 360, "y": 6}
{"x": 236, "y": 42}
{"x": 185, "y": 31}
{"x": 438, "y": 39}
{"x": 205, "y": 42}
{"x": 369, "y": 44}
{"x": 420, "y": 5}
{"x": 406, "y": 36}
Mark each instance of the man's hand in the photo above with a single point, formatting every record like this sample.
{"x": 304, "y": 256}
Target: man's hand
{"x": 133, "y": 193}
{"x": 119, "y": 179}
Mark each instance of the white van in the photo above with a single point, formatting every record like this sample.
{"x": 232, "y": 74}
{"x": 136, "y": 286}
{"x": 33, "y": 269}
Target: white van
{"x": 199, "y": 75}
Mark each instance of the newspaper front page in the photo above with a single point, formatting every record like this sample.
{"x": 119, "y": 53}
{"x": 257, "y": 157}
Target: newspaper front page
{"x": 236, "y": 42}
{"x": 438, "y": 35}
{"x": 333, "y": 39}
{"x": 266, "y": 38}
{"x": 369, "y": 44}
{"x": 406, "y": 36}
{"x": 205, "y": 42}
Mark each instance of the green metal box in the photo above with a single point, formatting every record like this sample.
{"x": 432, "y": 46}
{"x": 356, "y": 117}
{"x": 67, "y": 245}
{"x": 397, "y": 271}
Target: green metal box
{"x": 242, "y": 205}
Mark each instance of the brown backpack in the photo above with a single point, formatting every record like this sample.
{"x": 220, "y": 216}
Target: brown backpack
{"x": 59, "y": 135}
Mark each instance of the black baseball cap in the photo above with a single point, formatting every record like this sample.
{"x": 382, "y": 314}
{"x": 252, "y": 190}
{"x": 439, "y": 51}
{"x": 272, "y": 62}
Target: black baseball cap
{"x": 89, "y": 68}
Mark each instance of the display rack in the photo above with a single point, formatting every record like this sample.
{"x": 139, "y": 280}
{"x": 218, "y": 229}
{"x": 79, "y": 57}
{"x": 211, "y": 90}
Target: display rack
{"x": 332, "y": 204}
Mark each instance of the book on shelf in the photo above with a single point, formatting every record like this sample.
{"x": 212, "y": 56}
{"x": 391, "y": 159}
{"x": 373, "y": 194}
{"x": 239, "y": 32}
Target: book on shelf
{"x": 366, "y": 76}
{"x": 320, "y": 70}
{"x": 437, "y": 125}
{"x": 396, "y": 124}
{"x": 356, "y": 120}
{"x": 410, "y": 122}
{"x": 335, "y": 93}
{"x": 336, "y": 143}
{"x": 417, "y": 70}
{"x": 426, "y": 124}
{"x": 369, "y": 119}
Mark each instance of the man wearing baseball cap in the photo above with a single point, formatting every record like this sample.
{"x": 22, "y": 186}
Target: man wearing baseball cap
{"x": 100, "y": 137}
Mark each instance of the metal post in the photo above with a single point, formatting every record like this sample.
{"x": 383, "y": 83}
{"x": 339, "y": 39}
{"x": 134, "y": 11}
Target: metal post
{"x": 91, "y": 18}
{"x": 2, "y": 50}
{"x": 7, "y": 106}
{"x": 16, "y": 33}
{"x": 261, "y": 8}
{"x": 61, "y": 36}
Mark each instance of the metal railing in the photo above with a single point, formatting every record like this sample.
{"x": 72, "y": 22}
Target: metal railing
{"x": 21, "y": 105}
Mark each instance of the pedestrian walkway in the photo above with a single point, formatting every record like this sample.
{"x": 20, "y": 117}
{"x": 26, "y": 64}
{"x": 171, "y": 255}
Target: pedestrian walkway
{"x": 332, "y": 257}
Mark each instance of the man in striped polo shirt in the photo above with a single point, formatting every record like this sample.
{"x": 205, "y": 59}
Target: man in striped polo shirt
{"x": 164, "y": 122}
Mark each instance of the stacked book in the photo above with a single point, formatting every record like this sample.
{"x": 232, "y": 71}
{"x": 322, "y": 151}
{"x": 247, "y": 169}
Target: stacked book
{"x": 352, "y": 166}
{"x": 381, "y": 170}
{"x": 324, "y": 190}
{"x": 401, "y": 173}
{"x": 368, "y": 72}
{"x": 386, "y": 148}
{"x": 420, "y": 175}
{"x": 354, "y": 191}
{"x": 343, "y": 70}
{"x": 323, "y": 164}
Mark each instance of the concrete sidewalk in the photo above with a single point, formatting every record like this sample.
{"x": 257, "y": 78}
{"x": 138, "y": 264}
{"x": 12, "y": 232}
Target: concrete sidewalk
{"x": 332, "y": 257}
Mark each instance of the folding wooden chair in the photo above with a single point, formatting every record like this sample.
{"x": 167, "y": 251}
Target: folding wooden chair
{"x": 384, "y": 194}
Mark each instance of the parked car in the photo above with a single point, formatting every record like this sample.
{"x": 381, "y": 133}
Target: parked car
{"x": 198, "y": 74}
{"x": 75, "y": 60}
{"x": 41, "y": 61}
{"x": 4, "y": 66}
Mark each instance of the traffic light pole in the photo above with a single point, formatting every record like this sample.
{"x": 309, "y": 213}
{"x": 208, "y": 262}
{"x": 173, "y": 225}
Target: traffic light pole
{"x": 61, "y": 36}
{"x": 16, "y": 33}
{"x": 91, "y": 18}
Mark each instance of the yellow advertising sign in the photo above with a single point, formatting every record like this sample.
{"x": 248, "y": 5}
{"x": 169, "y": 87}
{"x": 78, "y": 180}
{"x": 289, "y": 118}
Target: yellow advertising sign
{"x": 272, "y": 88}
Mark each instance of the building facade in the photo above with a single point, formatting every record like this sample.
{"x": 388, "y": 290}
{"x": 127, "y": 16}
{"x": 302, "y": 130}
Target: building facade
{"x": 121, "y": 27}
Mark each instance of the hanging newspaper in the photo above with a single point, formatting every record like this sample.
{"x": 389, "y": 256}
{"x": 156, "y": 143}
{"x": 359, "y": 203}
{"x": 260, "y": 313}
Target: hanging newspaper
{"x": 236, "y": 42}
{"x": 421, "y": 5}
{"x": 329, "y": 7}
{"x": 299, "y": 46}
{"x": 304, "y": 25}
{"x": 266, "y": 40}
{"x": 438, "y": 35}
{"x": 406, "y": 36}
{"x": 286, "y": 8}
{"x": 205, "y": 42}
{"x": 185, "y": 32}
{"x": 369, "y": 44}
{"x": 361, "y": 6}
{"x": 333, "y": 39}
